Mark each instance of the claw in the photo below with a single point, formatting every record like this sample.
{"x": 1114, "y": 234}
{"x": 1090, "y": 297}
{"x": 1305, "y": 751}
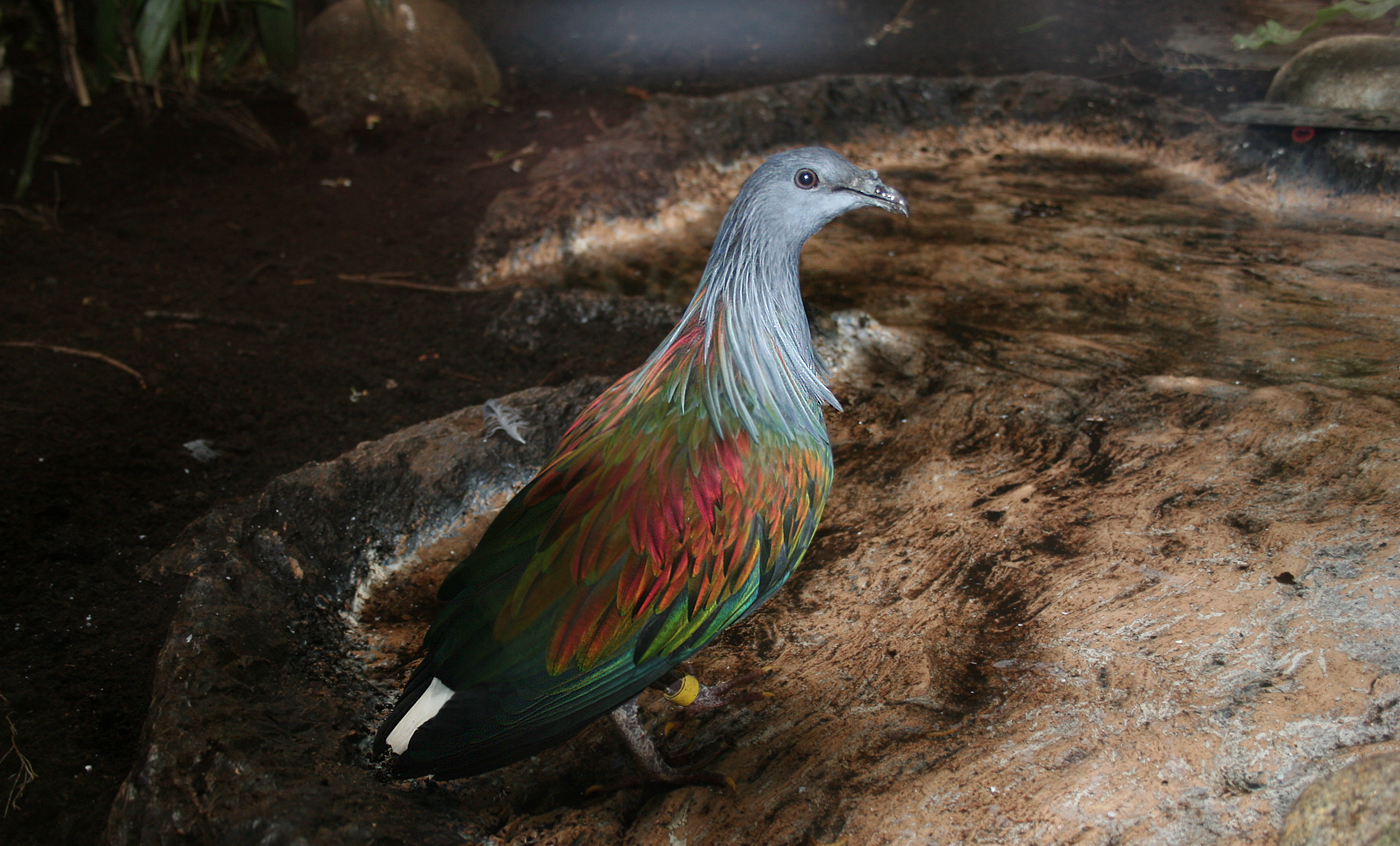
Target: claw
{"x": 692, "y": 697}
{"x": 943, "y": 733}
{"x": 654, "y": 768}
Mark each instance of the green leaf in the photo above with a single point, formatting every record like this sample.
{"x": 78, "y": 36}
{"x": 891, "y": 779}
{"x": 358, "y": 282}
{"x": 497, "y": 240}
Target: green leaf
{"x": 1273, "y": 32}
{"x": 277, "y": 29}
{"x": 106, "y": 36}
{"x": 1367, "y": 10}
{"x": 37, "y": 136}
{"x": 194, "y": 62}
{"x": 1040, "y": 24}
{"x": 154, "y": 29}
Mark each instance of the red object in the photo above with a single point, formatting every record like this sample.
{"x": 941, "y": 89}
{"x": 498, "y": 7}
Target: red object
{"x": 1303, "y": 134}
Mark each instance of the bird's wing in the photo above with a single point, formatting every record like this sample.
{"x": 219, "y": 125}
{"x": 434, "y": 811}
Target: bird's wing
{"x": 640, "y": 541}
{"x": 648, "y": 535}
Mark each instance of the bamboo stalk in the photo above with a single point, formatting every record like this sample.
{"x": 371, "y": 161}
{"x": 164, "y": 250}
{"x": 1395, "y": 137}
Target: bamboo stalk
{"x": 68, "y": 44}
{"x": 136, "y": 85}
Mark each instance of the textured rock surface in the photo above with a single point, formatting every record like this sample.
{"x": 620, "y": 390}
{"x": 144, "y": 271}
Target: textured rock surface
{"x": 415, "y": 59}
{"x": 603, "y": 215}
{"x": 638, "y": 183}
{"x": 1111, "y": 555}
{"x": 1358, "y": 806}
{"x": 1347, "y": 72}
{"x": 262, "y": 704}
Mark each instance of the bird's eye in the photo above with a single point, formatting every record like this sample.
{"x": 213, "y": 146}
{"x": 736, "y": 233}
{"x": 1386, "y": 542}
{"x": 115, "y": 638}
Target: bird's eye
{"x": 806, "y": 179}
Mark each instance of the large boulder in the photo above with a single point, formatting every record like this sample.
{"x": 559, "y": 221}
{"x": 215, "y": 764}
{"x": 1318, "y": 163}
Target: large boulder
{"x": 1346, "y": 72}
{"x": 1110, "y": 556}
{"x": 415, "y": 59}
{"x": 1357, "y": 806}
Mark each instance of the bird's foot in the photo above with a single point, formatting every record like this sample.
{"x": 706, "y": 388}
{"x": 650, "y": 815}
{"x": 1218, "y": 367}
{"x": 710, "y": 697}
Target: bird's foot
{"x": 654, "y": 769}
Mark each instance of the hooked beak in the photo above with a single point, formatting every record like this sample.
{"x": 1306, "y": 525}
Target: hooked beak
{"x": 877, "y": 193}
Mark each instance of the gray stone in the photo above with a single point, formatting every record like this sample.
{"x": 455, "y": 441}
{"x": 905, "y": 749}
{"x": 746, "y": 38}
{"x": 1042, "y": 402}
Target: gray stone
{"x": 584, "y": 205}
{"x": 1357, "y": 806}
{"x": 1346, "y": 72}
{"x": 262, "y": 702}
{"x": 414, "y": 59}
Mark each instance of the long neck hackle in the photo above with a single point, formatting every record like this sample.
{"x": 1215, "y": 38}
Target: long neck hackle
{"x": 744, "y": 343}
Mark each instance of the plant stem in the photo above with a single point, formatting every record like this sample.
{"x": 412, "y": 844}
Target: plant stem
{"x": 36, "y": 143}
{"x": 68, "y": 44}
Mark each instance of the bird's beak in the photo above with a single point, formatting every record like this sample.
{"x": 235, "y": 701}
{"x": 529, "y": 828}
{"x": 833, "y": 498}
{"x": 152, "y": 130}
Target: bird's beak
{"x": 880, "y": 194}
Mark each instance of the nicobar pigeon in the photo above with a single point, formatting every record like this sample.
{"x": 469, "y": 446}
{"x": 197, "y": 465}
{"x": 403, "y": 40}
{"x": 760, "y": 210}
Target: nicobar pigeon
{"x": 676, "y": 504}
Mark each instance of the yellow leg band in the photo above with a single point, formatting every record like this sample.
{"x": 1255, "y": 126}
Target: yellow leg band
{"x": 690, "y": 688}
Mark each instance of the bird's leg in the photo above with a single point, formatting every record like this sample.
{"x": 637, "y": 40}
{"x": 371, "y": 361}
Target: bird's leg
{"x": 694, "y": 698}
{"x": 655, "y": 768}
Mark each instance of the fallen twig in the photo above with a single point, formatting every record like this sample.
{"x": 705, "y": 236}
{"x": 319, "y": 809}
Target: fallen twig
{"x": 898, "y": 23}
{"x": 395, "y": 279}
{"x": 84, "y": 353}
{"x": 42, "y": 215}
{"x": 24, "y": 775}
{"x": 527, "y": 150}
{"x": 197, "y": 317}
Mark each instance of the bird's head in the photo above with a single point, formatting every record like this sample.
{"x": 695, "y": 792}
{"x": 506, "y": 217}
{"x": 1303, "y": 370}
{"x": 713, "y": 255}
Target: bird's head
{"x": 800, "y": 191}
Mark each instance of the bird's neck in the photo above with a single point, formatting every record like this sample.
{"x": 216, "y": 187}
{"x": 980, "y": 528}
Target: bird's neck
{"x": 743, "y": 348}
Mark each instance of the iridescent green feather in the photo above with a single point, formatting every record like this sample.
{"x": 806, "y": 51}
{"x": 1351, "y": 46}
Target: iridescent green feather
{"x": 678, "y": 502}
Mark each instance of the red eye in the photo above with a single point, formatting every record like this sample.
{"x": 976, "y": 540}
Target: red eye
{"x": 806, "y": 179}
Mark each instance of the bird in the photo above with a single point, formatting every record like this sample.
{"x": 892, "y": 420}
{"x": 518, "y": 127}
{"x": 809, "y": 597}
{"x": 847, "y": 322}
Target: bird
{"x": 678, "y": 502}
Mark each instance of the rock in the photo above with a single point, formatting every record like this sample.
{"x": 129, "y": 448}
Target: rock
{"x": 257, "y": 730}
{"x": 416, "y": 59}
{"x": 1357, "y": 806}
{"x": 1346, "y": 72}
{"x": 623, "y": 212}
{"x": 586, "y": 210}
{"x": 530, "y": 319}
{"x": 1110, "y": 556}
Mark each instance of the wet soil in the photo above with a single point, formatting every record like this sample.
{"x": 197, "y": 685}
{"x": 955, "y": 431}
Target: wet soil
{"x": 214, "y": 273}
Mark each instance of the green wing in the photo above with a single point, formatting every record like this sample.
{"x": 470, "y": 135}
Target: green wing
{"x": 646, "y": 535}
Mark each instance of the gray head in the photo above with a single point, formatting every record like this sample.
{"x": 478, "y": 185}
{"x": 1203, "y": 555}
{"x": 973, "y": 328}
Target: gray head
{"x": 760, "y": 360}
{"x": 796, "y": 193}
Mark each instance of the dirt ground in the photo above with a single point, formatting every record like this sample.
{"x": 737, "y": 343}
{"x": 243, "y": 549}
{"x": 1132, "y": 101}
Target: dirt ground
{"x": 240, "y": 288}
